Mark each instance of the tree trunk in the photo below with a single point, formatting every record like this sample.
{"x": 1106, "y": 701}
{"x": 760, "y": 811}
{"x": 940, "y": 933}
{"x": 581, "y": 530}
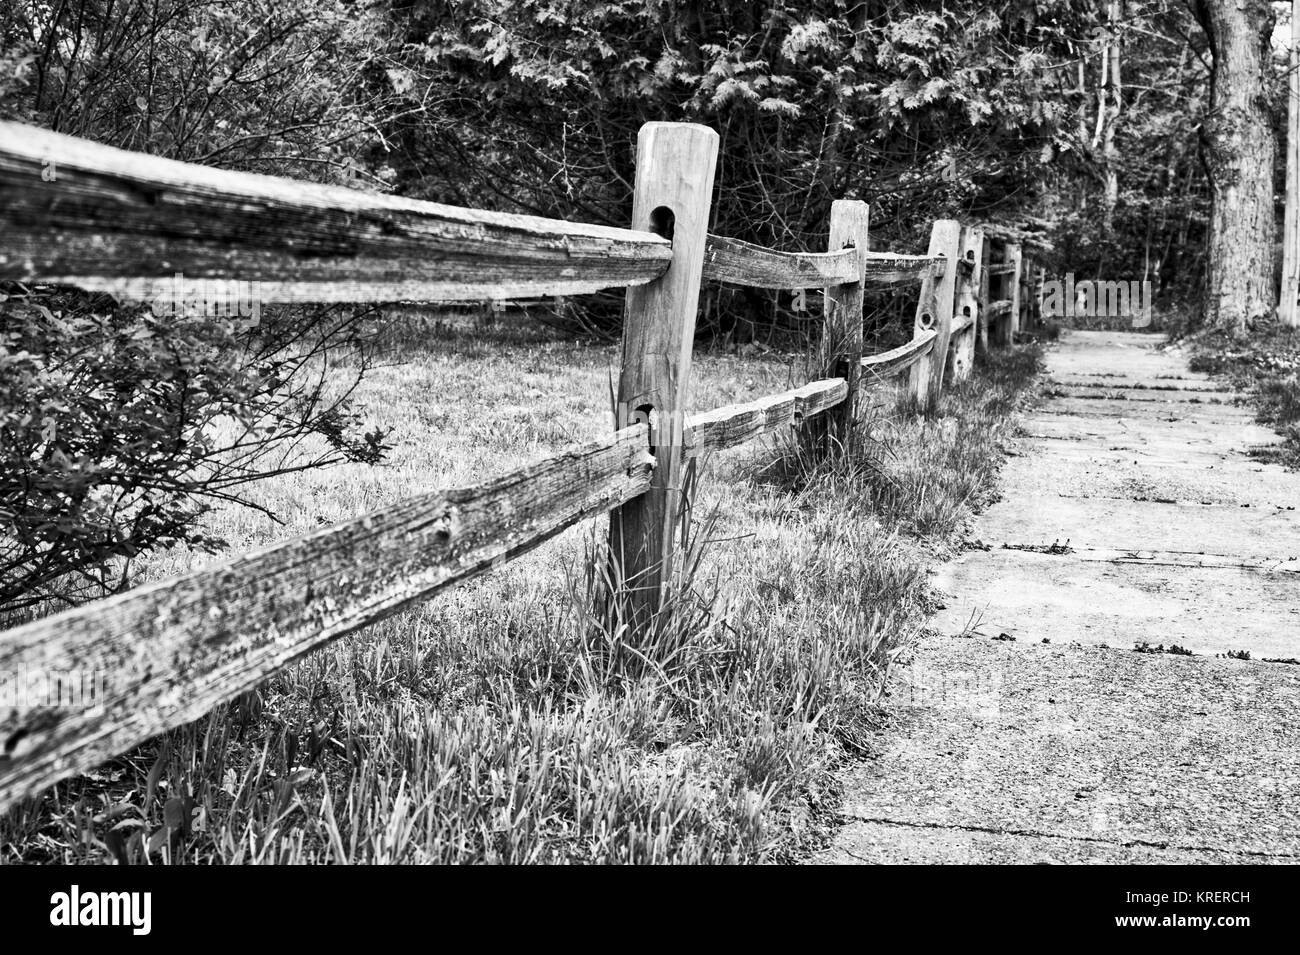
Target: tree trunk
{"x": 1237, "y": 150}
{"x": 1286, "y": 280}
{"x": 1112, "y": 84}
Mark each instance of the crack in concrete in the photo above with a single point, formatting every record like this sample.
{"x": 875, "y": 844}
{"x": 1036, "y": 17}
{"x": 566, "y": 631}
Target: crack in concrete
{"x": 1117, "y": 594}
{"x": 1039, "y": 834}
{"x": 1148, "y": 557}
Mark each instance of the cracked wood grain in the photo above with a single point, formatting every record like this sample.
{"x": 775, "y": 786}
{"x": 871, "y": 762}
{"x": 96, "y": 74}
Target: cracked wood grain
{"x": 170, "y": 651}
{"x": 125, "y": 223}
{"x": 901, "y": 358}
{"x": 733, "y": 425}
{"x": 734, "y": 262}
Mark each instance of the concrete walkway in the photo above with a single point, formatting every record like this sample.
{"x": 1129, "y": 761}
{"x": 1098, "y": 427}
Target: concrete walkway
{"x": 1026, "y": 729}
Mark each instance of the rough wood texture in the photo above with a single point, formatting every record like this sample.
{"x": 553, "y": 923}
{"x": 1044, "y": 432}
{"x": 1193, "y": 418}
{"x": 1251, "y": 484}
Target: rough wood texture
{"x": 961, "y": 325}
{"x": 934, "y": 310}
{"x": 735, "y": 424}
{"x": 741, "y": 263}
{"x": 886, "y": 268}
{"x": 168, "y": 652}
{"x": 918, "y": 379}
{"x": 735, "y": 262}
{"x": 841, "y": 341}
{"x": 898, "y": 359}
{"x": 981, "y": 314}
{"x": 1028, "y": 297}
{"x": 1013, "y": 288}
{"x": 1001, "y": 271}
{"x": 674, "y": 186}
{"x": 967, "y": 304}
{"x": 127, "y": 222}
{"x": 1036, "y": 302}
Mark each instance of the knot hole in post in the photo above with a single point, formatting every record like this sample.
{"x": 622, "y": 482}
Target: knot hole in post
{"x": 661, "y": 222}
{"x": 927, "y": 320}
{"x": 646, "y": 415}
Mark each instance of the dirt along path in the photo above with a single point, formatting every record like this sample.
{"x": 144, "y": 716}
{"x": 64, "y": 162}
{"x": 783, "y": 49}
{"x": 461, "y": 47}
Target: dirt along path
{"x": 1026, "y": 728}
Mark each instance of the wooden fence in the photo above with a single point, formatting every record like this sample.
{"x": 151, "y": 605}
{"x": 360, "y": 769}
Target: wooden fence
{"x": 125, "y": 223}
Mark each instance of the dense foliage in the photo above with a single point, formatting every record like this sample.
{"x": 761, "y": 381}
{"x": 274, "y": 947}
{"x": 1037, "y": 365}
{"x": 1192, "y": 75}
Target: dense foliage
{"x": 922, "y": 109}
{"x": 540, "y": 102}
{"x": 119, "y": 427}
{"x": 1075, "y": 122}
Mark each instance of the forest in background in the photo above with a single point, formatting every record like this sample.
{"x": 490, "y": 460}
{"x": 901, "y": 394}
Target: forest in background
{"x": 517, "y": 717}
{"x": 1089, "y": 127}
{"x": 1079, "y": 122}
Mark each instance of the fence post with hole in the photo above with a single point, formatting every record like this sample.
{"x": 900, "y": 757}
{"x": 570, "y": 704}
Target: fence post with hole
{"x": 674, "y": 186}
{"x": 1014, "y": 258}
{"x": 841, "y": 346}
{"x": 1040, "y": 277}
{"x": 969, "y": 274}
{"x": 982, "y": 316}
{"x": 1000, "y": 330}
{"x": 934, "y": 311}
{"x": 1027, "y": 291}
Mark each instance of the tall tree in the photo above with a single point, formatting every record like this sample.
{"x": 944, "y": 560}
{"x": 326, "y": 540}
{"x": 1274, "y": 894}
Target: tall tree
{"x": 924, "y": 108}
{"x": 1237, "y": 147}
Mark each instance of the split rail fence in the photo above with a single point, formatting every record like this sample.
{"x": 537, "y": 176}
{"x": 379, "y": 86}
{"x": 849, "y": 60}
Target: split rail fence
{"x": 125, "y": 223}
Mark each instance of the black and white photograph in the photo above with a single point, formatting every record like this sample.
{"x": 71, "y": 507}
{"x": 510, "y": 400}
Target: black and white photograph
{"x": 774, "y": 433}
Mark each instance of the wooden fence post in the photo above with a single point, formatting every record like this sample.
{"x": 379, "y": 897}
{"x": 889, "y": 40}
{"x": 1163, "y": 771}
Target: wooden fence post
{"x": 934, "y": 311}
{"x": 674, "y": 186}
{"x": 969, "y": 275}
{"x": 1040, "y": 278}
{"x": 1027, "y": 267}
{"x": 982, "y": 318}
{"x": 999, "y": 291}
{"x": 1026, "y": 293}
{"x": 1014, "y": 257}
{"x": 841, "y": 346}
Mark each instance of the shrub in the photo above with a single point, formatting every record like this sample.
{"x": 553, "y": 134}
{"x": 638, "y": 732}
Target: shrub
{"x": 119, "y": 429}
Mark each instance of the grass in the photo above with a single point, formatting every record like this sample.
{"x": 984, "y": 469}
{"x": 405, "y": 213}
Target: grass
{"x": 503, "y": 721}
{"x": 1267, "y": 365}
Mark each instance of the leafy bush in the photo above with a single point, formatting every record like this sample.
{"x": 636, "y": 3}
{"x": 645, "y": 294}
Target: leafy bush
{"x": 119, "y": 428}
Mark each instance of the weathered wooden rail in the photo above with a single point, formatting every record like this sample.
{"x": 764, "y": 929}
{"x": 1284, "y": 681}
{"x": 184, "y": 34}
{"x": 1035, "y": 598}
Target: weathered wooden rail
{"x": 124, "y": 223}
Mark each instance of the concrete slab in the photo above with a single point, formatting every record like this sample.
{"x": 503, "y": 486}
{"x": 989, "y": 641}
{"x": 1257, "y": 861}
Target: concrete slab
{"x": 1119, "y": 354}
{"x": 1119, "y": 599}
{"x": 1074, "y": 448}
{"x": 1127, "y": 418}
{"x": 1055, "y": 468}
{"x": 1151, "y": 405}
{"x": 899, "y": 843}
{"x": 1156, "y": 384}
{"x": 1132, "y": 431}
{"x": 1015, "y": 750}
{"x": 1035, "y": 519}
{"x": 1008, "y": 753}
